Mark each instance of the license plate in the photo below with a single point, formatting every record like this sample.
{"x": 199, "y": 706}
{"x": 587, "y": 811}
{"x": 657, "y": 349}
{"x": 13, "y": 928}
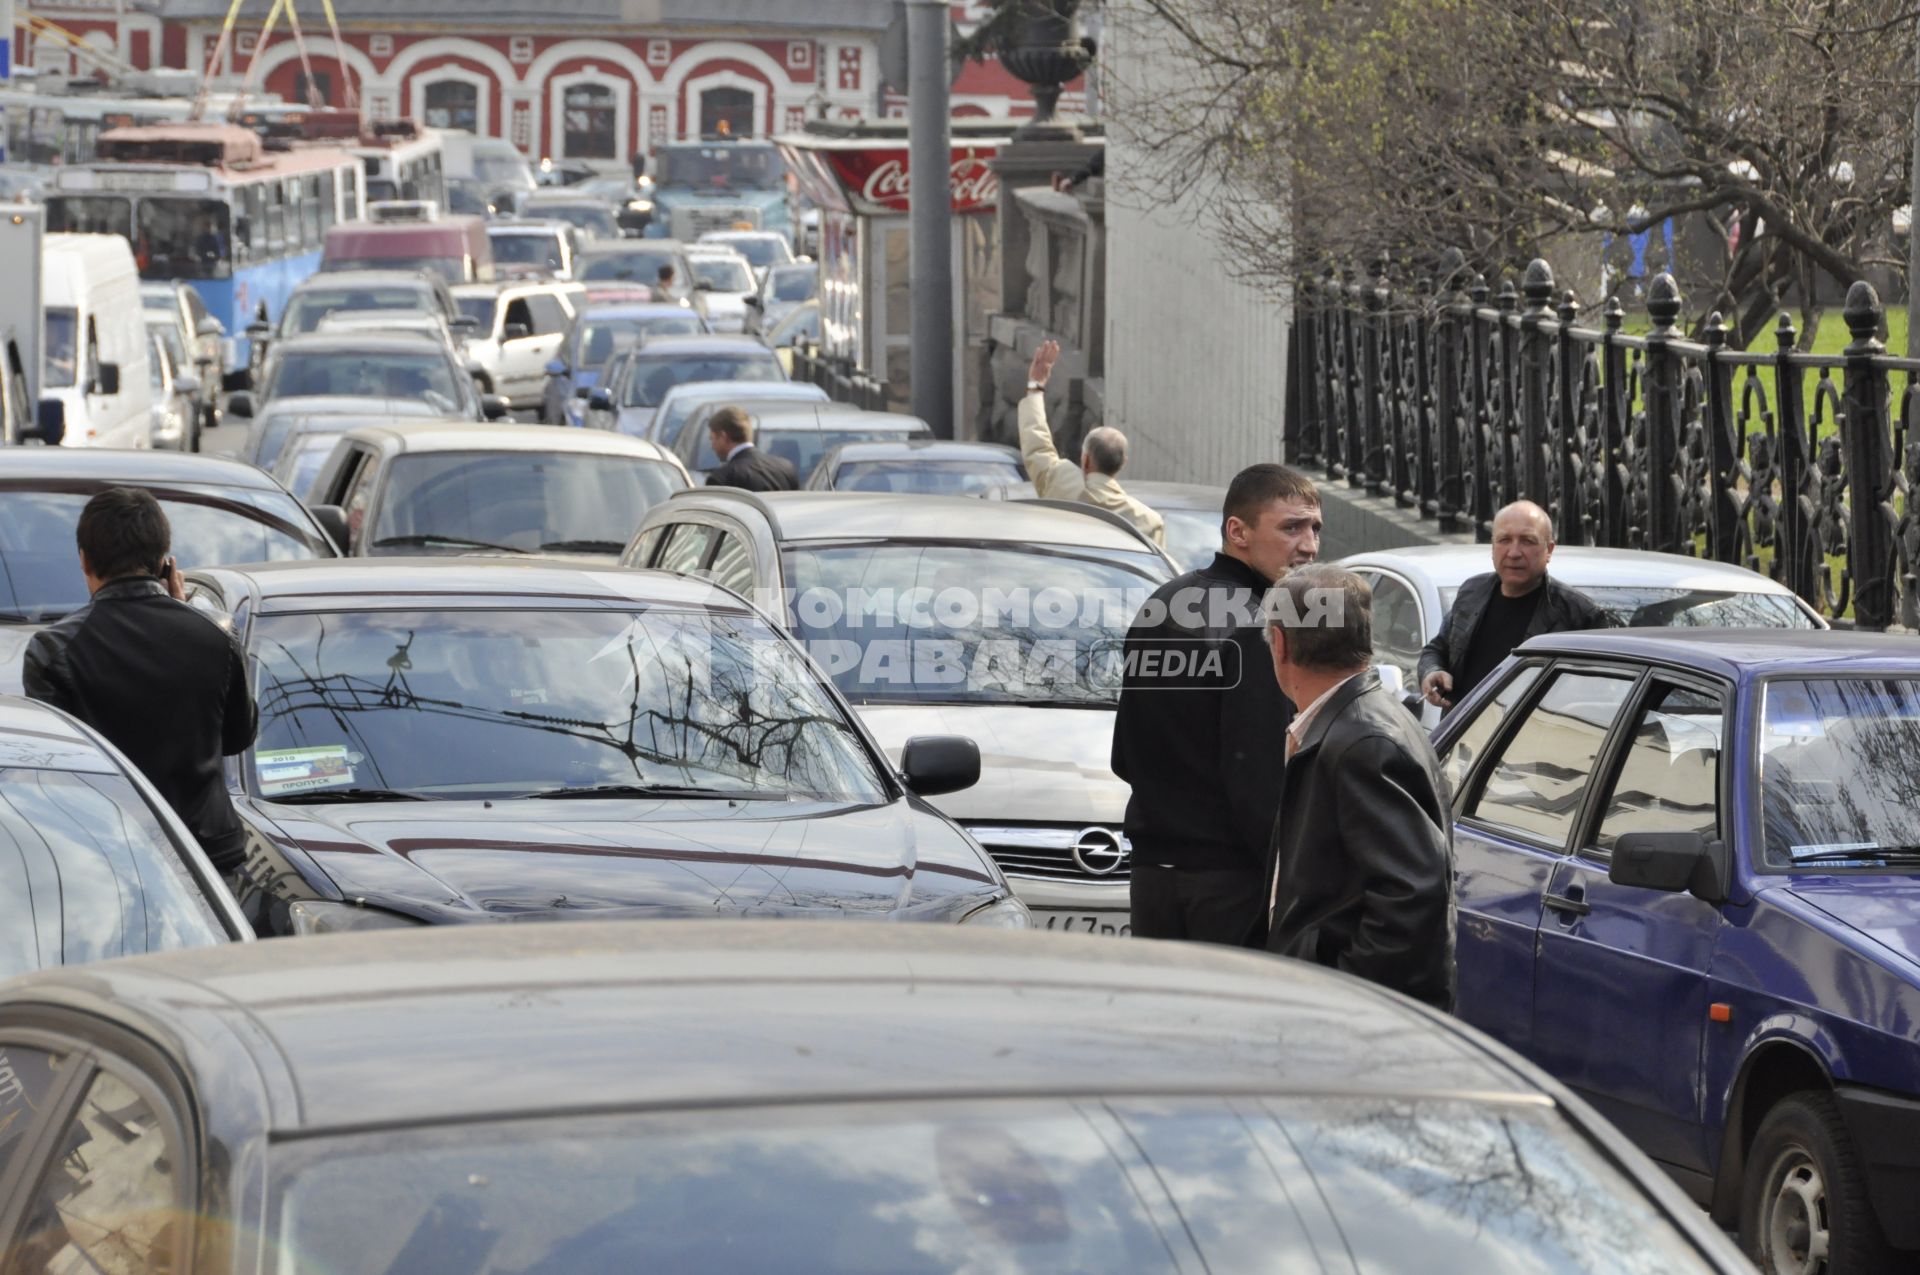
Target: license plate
{"x": 1108, "y": 923}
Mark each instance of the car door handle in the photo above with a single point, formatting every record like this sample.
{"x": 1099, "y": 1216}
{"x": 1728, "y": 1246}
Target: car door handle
{"x": 1568, "y": 904}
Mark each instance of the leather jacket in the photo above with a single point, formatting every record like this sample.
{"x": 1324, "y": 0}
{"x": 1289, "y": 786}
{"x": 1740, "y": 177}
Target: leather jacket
{"x": 1563, "y": 610}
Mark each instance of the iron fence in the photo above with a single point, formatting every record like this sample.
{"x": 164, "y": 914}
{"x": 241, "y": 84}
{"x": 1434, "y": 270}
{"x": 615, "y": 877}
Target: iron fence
{"x": 1455, "y": 401}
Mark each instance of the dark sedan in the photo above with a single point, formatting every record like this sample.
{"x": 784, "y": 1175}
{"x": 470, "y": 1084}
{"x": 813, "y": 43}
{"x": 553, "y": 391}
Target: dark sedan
{"x": 734, "y": 1098}
{"x": 488, "y": 740}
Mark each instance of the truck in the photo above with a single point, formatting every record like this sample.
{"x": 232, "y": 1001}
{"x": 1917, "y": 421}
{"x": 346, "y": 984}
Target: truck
{"x": 718, "y": 184}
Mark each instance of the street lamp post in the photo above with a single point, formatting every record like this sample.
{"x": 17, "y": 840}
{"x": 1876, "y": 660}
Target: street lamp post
{"x": 929, "y": 157}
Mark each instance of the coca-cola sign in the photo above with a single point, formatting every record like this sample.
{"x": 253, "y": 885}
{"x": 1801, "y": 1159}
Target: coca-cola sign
{"x": 879, "y": 180}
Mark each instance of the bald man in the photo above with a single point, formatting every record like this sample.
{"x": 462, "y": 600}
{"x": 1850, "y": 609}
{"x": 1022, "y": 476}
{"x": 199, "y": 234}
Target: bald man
{"x": 1498, "y": 611}
{"x": 1103, "y": 454}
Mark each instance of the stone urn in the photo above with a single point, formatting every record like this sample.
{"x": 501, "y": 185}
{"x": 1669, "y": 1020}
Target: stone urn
{"x": 1046, "y": 51}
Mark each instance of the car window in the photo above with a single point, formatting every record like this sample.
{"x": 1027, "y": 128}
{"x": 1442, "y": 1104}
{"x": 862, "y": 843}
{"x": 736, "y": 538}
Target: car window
{"x": 1457, "y": 763}
{"x": 686, "y": 548}
{"x": 652, "y": 375}
{"x": 1537, "y": 783}
{"x": 562, "y": 502}
{"x": 1839, "y": 758}
{"x": 732, "y": 566}
{"x": 27, "y": 1079}
{"x": 1651, "y": 607}
{"x": 1398, "y": 633}
{"x": 359, "y": 496}
{"x": 1669, "y": 776}
{"x": 549, "y": 316}
{"x": 642, "y": 548}
{"x": 109, "y": 1204}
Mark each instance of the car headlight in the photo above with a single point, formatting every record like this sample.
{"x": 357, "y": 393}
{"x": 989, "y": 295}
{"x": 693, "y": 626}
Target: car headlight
{"x": 1006, "y": 914}
{"x": 310, "y": 916}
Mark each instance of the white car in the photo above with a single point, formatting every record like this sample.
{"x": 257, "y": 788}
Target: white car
{"x": 723, "y": 280}
{"x": 531, "y": 249}
{"x": 518, "y": 331}
{"x": 1413, "y": 589}
{"x": 763, "y": 249}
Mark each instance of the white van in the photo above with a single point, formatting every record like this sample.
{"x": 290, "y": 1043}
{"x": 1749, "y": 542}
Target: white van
{"x": 94, "y": 362}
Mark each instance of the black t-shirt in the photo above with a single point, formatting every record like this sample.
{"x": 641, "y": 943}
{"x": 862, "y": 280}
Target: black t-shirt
{"x": 1502, "y": 627}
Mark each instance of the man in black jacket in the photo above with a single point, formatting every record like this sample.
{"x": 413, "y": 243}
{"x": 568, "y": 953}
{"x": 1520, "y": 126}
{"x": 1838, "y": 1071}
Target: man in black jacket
{"x": 160, "y": 680}
{"x": 741, "y": 463}
{"x": 1363, "y": 846}
{"x": 1201, "y": 721}
{"x": 1498, "y": 611}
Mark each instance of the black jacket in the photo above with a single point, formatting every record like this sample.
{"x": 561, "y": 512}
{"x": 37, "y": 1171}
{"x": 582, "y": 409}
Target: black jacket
{"x": 751, "y": 469}
{"x": 166, "y": 685}
{"x": 1202, "y": 753}
{"x": 1363, "y": 848}
{"x": 1561, "y": 611}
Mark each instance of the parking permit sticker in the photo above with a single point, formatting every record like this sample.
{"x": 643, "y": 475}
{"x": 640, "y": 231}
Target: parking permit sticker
{"x": 303, "y": 770}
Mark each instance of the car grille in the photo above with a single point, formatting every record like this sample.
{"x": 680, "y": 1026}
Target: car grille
{"x": 1045, "y": 852}
{"x": 691, "y": 223}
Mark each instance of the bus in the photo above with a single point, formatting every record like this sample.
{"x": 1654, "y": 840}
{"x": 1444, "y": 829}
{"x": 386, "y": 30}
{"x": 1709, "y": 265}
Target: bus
{"x": 46, "y": 128}
{"x": 240, "y": 219}
{"x": 401, "y": 159}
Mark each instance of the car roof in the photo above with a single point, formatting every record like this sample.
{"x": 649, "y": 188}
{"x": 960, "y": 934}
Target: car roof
{"x": 1159, "y": 495}
{"x": 809, "y": 414}
{"x": 356, "y": 342}
{"x": 860, "y": 515}
{"x": 634, "y": 309}
{"x": 129, "y": 466}
{"x": 369, "y": 410}
{"x": 526, "y": 225}
{"x": 927, "y": 449}
{"x": 477, "y": 436}
{"x": 673, "y": 1014}
{"x": 35, "y": 736}
{"x": 1737, "y": 653}
{"x": 792, "y": 391}
{"x": 1449, "y": 566}
{"x": 415, "y": 583}
{"x": 620, "y": 247}
{"x": 703, "y": 343}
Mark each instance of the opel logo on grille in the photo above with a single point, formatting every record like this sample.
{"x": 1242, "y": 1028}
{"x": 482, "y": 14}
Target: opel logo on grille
{"x": 1098, "y": 851}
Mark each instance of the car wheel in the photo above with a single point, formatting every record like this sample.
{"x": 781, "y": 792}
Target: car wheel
{"x": 1804, "y": 1207}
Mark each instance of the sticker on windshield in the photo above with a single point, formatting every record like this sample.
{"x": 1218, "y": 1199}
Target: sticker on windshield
{"x": 303, "y": 770}
{"x": 1832, "y": 847}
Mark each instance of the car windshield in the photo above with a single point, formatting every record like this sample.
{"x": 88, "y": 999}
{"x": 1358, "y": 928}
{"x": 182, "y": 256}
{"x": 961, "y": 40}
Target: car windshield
{"x": 719, "y": 167}
{"x": 1193, "y": 536}
{"x": 640, "y": 264}
{"x": 480, "y": 309}
{"x": 63, "y": 326}
{"x": 554, "y": 501}
{"x": 932, "y": 478}
{"x": 513, "y": 702}
{"x": 511, "y": 171}
{"x": 1643, "y": 607}
{"x": 91, "y": 874}
{"x": 166, "y": 330}
{"x": 1012, "y": 1186}
{"x": 596, "y": 221}
{"x": 968, "y": 623}
{"x": 308, "y": 306}
{"x": 347, "y": 373}
{"x": 1840, "y": 771}
{"x": 722, "y": 274}
{"x": 804, "y": 447}
{"x": 761, "y": 250}
{"x": 653, "y": 375}
{"x": 601, "y": 339}
{"x": 40, "y": 576}
{"x": 794, "y": 285}
{"x": 525, "y": 250}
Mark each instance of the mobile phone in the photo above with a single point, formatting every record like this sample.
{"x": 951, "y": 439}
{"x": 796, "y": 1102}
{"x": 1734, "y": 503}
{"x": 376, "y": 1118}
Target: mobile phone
{"x": 165, "y": 569}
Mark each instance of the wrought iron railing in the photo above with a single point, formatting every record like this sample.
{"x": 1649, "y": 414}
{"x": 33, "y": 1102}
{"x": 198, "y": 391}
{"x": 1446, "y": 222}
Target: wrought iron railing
{"x": 1455, "y": 402}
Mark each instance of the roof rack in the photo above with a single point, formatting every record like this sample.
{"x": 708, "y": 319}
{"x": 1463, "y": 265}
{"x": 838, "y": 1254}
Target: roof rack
{"x": 1092, "y": 511}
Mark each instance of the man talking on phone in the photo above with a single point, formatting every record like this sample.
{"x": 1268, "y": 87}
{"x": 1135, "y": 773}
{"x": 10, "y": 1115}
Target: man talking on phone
{"x": 160, "y": 680}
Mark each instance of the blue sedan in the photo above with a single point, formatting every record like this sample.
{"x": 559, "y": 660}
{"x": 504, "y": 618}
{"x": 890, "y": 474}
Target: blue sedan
{"x": 1688, "y": 869}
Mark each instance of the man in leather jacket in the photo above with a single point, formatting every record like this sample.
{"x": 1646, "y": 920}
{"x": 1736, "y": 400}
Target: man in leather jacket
{"x": 1363, "y": 845}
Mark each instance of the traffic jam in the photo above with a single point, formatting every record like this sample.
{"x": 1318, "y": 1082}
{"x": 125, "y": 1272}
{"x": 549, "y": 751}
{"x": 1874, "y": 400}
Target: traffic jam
{"x": 473, "y": 688}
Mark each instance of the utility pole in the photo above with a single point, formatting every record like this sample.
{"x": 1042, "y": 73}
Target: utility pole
{"x": 929, "y": 203}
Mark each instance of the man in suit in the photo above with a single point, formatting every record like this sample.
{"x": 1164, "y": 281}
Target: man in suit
{"x": 1363, "y": 844}
{"x": 741, "y": 463}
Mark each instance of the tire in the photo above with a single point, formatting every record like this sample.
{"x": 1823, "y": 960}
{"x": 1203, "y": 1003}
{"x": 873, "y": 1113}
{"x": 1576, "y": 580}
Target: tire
{"x": 1803, "y": 1199}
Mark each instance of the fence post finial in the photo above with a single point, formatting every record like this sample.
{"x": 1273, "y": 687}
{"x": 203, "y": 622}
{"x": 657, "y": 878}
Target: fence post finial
{"x": 1538, "y": 284}
{"x": 1615, "y": 314}
{"x": 1663, "y": 301}
{"x": 1862, "y": 314}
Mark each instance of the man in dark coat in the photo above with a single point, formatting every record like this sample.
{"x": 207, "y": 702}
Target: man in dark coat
{"x": 1201, "y": 747}
{"x": 1498, "y": 611}
{"x": 1363, "y": 846}
{"x": 742, "y": 464}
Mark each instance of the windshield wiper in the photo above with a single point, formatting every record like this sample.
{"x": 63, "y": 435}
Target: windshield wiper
{"x": 321, "y": 795}
{"x": 583, "y": 546}
{"x": 1874, "y": 854}
{"x": 435, "y": 538}
{"x": 654, "y": 790}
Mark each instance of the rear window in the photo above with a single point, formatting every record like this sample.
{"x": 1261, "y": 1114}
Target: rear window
{"x": 308, "y": 306}
{"x": 639, "y": 264}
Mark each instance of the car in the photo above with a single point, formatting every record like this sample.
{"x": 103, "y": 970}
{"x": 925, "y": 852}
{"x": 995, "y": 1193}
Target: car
{"x": 1413, "y": 590}
{"x": 418, "y": 322}
{"x": 278, "y": 423}
{"x": 1688, "y": 888}
{"x": 764, "y": 249}
{"x": 630, "y": 390}
{"x": 323, "y": 294}
{"x": 598, "y": 332}
{"x": 372, "y": 366}
{"x": 682, "y": 401}
{"x": 304, "y": 456}
{"x": 782, "y": 288}
{"x": 592, "y": 218}
{"x": 220, "y": 510}
{"x": 525, "y": 249}
{"x": 197, "y": 343}
{"x": 935, "y": 467}
{"x": 97, "y": 864}
{"x": 517, "y": 330}
{"x": 732, "y": 1097}
{"x": 802, "y": 325}
{"x": 724, "y": 280}
{"x": 495, "y": 740}
{"x": 175, "y": 408}
{"x": 1013, "y": 643}
{"x": 459, "y": 488}
{"x": 636, "y": 261}
{"x": 801, "y": 433}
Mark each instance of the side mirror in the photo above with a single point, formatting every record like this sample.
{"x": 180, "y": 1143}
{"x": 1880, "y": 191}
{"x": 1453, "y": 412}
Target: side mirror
{"x": 209, "y": 327}
{"x": 598, "y": 400}
{"x": 240, "y": 405}
{"x": 186, "y": 383}
{"x": 935, "y": 764}
{"x": 106, "y": 380}
{"x": 1671, "y": 861}
{"x": 333, "y": 521}
{"x": 495, "y": 408}
{"x": 51, "y": 424}
{"x": 752, "y": 299}
{"x": 516, "y": 332}
{"x": 557, "y": 367}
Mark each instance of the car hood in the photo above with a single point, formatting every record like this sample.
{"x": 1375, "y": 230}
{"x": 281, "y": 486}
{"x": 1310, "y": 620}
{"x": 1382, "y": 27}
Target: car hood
{"x": 13, "y": 654}
{"x": 591, "y": 859}
{"x": 1885, "y": 909}
{"x": 1036, "y": 764}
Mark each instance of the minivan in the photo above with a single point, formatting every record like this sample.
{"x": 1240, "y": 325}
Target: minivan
{"x": 95, "y": 389}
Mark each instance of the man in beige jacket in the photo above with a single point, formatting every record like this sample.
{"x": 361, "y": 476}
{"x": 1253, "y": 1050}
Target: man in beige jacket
{"x": 1103, "y": 454}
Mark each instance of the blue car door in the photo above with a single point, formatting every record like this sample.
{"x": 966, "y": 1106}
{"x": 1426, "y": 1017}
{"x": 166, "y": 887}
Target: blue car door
{"x": 1512, "y": 828}
{"x": 1620, "y": 991}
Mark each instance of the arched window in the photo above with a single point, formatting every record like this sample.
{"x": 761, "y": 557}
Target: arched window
{"x": 726, "y": 110}
{"x": 590, "y": 122}
{"x": 453, "y": 104}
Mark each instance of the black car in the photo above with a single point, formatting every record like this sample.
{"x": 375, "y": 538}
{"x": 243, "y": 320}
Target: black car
{"x": 736, "y": 1098}
{"x": 220, "y": 511}
{"x": 482, "y": 740}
